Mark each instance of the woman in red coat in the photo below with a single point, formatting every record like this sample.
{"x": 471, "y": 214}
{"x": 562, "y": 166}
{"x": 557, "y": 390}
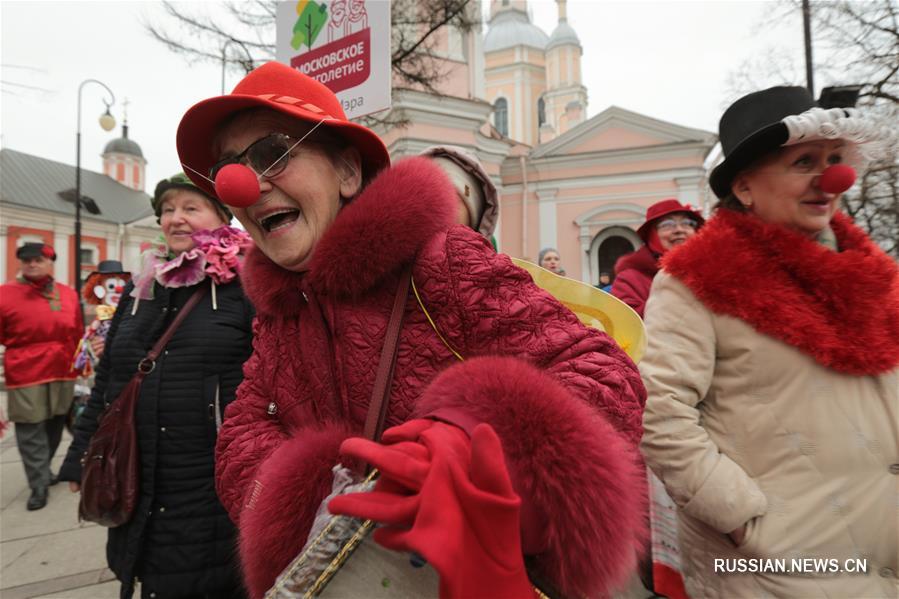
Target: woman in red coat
{"x": 668, "y": 224}
{"x": 529, "y": 442}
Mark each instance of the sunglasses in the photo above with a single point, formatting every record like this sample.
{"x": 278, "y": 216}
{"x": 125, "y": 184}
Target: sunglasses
{"x": 671, "y": 223}
{"x": 268, "y": 157}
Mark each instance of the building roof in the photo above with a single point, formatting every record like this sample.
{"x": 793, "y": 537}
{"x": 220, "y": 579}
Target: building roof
{"x": 123, "y": 145}
{"x": 563, "y": 34}
{"x": 510, "y": 28}
{"x": 661, "y": 133}
{"x": 43, "y": 184}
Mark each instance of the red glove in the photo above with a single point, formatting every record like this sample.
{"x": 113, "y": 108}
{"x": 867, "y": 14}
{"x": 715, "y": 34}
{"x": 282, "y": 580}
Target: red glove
{"x": 448, "y": 499}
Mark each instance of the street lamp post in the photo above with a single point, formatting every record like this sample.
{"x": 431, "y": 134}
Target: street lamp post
{"x": 807, "y": 35}
{"x": 107, "y": 122}
{"x": 224, "y": 62}
{"x": 225, "y": 58}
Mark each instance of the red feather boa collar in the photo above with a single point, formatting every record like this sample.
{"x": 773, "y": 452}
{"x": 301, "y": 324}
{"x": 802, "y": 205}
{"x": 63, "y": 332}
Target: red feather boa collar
{"x": 840, "y": 308}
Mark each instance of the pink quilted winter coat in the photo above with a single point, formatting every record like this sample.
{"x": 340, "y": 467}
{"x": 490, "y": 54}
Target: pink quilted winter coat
{"x": 564, "y": 399}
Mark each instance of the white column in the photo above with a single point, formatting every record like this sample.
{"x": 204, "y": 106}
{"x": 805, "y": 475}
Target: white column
{"x": 546, "y": 203}
{"x": 4, "y": 276}
{"x": 585, "y": 239}
{"x": 476, "y": 59}
{"x": 688, "y": 190}
{"x": 63, "y": 266}
{"x": 131, "y": 257}
{"x": 516, "y": 122}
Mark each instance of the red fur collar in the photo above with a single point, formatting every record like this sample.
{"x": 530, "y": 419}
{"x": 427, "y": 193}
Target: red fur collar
{"x": 840, "y": 308}
{"x": 643, "y": 260}
{"x": 378, "y": 232}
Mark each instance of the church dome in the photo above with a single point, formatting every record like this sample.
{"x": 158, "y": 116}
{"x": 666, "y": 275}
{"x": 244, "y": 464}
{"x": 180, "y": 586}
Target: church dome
{"x": 511, "y": 28}
{"x": 562, "y": 35}
{"x": 123, "y": 145}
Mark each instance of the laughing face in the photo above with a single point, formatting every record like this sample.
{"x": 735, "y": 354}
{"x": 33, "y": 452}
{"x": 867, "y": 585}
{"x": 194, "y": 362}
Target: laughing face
{"x": 784, "y": 187}
{"x": 298, "y": 205}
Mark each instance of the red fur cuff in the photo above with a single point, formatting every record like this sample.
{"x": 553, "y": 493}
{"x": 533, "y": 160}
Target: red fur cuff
{"x": 281, "y": 503}
{"x": 582, "y": 500}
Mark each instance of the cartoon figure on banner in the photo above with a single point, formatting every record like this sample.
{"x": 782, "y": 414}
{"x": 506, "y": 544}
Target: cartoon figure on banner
{"x": 358, "y": 16}
{"x": 338, "y": 25}
{"x": 103, "y": 289}
{"x": 343, "y": 59}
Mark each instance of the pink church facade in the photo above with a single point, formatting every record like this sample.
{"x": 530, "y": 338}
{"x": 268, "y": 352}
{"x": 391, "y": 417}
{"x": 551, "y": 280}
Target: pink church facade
{"x": 513, "y": 96}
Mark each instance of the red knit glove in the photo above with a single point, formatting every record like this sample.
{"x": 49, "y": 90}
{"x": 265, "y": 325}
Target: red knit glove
{"x": 452, "y": 503}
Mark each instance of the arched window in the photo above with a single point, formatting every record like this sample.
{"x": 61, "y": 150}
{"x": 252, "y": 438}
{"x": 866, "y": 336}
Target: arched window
{"x": 501, "y": 116}
{"x": 541, "y": 112}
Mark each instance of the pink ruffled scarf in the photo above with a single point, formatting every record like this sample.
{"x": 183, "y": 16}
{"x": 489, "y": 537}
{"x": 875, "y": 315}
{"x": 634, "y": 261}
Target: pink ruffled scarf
{"x": 216, "y": 254}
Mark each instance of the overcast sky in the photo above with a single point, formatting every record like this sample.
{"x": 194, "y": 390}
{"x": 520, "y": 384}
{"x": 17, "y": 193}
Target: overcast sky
{"x": 667, "y": 59}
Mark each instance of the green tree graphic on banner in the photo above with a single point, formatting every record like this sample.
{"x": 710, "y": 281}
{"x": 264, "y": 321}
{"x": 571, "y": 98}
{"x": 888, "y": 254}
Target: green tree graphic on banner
{"x": 313, "y": 17}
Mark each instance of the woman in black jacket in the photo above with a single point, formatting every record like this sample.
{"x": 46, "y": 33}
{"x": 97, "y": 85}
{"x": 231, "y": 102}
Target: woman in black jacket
{"x": 179, "y": 541}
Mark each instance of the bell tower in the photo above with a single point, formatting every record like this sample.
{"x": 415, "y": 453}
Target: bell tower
{"x": 123, "y": 159}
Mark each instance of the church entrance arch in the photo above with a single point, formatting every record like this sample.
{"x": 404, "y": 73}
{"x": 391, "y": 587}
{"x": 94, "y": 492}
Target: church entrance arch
{"x": 608, "y": 246}
{"x": 610, "y": 250}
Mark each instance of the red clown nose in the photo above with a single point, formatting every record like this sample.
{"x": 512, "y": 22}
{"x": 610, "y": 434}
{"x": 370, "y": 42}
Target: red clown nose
{"x": 837, "y": 178}
{"x": 237, "y": 186}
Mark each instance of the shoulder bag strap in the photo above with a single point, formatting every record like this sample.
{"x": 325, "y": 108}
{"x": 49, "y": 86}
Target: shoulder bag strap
{"x": 377, "y": 408}
{"x": 146, "y": 366}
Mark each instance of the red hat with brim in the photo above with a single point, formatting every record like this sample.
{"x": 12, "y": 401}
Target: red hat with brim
{"x": 664, "y": 208}
{"x": 283, "y": 89}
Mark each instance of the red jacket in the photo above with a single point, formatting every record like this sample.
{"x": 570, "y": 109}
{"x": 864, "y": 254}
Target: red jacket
{"x": 40, "y": 342}
{"x": 564, "y": 399}
{"x": 633, "y": 278}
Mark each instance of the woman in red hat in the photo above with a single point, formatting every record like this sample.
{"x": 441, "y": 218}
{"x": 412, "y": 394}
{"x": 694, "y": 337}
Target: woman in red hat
{"x": 668, "y": 224}
{"x": 773, "y": 367}
{"x": 511, "y": 427}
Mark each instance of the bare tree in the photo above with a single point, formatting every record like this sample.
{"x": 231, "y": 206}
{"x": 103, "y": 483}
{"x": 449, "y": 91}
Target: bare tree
{"x": 854, "y": 43}
{"x": 246, "y": 30}
{"x": 874, "y": 203}
{"x": 864, "y": 38}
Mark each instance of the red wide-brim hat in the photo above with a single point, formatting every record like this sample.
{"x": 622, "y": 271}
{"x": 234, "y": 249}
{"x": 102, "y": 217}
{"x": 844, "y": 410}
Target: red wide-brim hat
{"x": 664, "y": 208}
{"x": 283, "y": 89}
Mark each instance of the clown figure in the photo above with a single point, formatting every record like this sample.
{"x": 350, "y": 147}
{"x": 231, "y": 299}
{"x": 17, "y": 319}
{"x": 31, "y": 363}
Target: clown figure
{"x": 103, "y": 289}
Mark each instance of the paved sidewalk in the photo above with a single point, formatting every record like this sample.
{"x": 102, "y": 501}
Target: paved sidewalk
{"x": 47, "y": 553}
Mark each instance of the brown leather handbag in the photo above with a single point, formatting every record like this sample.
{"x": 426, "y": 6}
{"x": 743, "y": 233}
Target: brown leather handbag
{"x": 110, "y": 468}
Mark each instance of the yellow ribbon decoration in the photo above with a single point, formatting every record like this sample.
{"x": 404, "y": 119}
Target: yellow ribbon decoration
{"x": 593, "y": 307}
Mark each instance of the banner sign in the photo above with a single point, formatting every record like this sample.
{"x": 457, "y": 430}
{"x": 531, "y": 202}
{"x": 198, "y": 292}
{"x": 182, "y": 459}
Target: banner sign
{"x": 345, "y": 44}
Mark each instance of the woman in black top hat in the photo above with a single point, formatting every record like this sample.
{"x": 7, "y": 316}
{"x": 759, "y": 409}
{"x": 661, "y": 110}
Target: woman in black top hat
{"x": 772, "y": 366}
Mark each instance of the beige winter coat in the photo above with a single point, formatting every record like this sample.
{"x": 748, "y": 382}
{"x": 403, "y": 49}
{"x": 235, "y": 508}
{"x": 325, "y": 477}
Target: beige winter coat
{"x": 743, "y": 428}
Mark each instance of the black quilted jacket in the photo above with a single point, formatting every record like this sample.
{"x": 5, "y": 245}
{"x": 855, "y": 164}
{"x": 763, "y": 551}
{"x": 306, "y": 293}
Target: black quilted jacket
{"x": 180, "y": 540}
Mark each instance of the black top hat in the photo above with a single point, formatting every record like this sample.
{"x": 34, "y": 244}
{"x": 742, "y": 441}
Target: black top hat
{"x": 33, "y": 249}
{"x": 110, "y": 267}
{"x": 753, "y": 126}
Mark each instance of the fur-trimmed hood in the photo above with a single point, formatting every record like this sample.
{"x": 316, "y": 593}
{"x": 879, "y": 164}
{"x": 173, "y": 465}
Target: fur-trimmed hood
{"x": 840, "y": 308}
{"x": 642, "y": 260}
{"x": 373, "y": 236}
